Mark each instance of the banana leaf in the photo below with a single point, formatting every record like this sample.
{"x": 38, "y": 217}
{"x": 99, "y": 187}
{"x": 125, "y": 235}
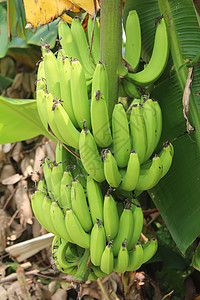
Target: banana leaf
{"x": 19, "y": 120}
{"x": 177, "y": 196}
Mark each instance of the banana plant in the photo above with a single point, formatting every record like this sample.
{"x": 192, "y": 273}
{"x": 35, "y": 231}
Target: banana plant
{"x": 177, "y": 90}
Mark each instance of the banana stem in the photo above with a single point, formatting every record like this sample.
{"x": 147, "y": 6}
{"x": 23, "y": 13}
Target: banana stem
{"x": 104, "y": 292}
{"x": 84, "y": 267}
{"x": 111, "y": 45}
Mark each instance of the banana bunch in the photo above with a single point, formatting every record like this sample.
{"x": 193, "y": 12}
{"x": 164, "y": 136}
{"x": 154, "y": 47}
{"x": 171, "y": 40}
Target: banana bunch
{"x": 156, "y": 65}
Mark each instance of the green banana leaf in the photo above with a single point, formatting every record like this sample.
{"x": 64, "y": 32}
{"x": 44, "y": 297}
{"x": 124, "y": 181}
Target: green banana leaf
{"x": 19, "y": 120}
{"x": 177, "y": 194}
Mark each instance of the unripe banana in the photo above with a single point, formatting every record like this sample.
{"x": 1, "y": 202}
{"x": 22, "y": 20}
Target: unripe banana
{"x": 68, "y": 132}
{"x": 158, "y": 60}
{"x": 57, "y": 217}
{"x": 54, "y": 248}
{"x": 76, "y": 231}
{"x": 107, "y": 259}
{"x": 121, "y": 262}
{"x": 135, "y": 258}
{"x": 97, "y": 243}
{"x": 65, "y": 190}
{"x": 130, "y": 88}
{"x": 67, "y": 41}
{"x": 133, "y": 40}
{"x": 61, "y": 156}
{"x": 95, "y": 199}
{"x": 79, "y": 93}
{"x": 138, "y": 220}
{"x": 111, "y": 170}
{"x": 121, "y": 135}
{"x": 90, "y": 156}
{"x": 50, "y": 107}
{"x": 47, "y": 165}
{"x": 151, "y": 175}
{"x": 149, "y": 114}
{"x": 82, "y": 44}
{"x": 95, "y": 43}
{"x": 64, "y": 65}
{"x": 56, "y": 176}
{"x": 80, "y": 206}
{"x": 52, "y": 74}
{"x": 149, "y": 249}
{"x": 99, "y": 110}
{"x": 132, "y": 172}
{"x": 166, "y": 156}
{"x": 138, "y": 131}
{"x": 41, "y": 90}
{"x": 98, "y": 272}
{"x": 111, "y": 217}
{"x": 36, "y": 202}
{"x": 61, "y": 252}
{"x": 158, "y": 113}
{"x": 124, "y": 231}
{"x": 45, "y": 211}
{"x": 84, "y": 266}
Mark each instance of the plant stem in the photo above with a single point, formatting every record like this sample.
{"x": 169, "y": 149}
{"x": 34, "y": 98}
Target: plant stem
{"x": 111, "y": 45}
{"x": 104, "y": 292}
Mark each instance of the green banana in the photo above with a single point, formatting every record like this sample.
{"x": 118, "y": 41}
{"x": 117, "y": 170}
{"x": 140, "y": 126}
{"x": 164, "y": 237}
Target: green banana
{"x": 158, "y": 113}
{"x": 47, "y": 165}
{"x": 151, "y": 175}
{"x": 149, "y": 115}
{"x": 138, "y": 220}
{"x": 50, "y": 107}
{"x": 90, "y": 157}
{"x": 64, "y": 65}
{"x": 149, "y": 249}
{"x": 130, "y": 88}
{"x": 56, "y": 176}
{"x": 80, "y": 206}
{"x": 76, "y": 231}
{"x": 135, "y": 258}
{"x": 95, "y": 42}
{"x": 107, "y": 259}
{"x": 138, "y": 131}
{"x": 61, "y": 258}
{"x": 84, "y": 267}
{"x": 65, "y": 190}
{"x": 121, "y": 135}
{"x": 52, "y": 74}
{"x": 82, "y": 44}
{"x": 67, "y": 41}
{"x": 121, "y": 262}
{"x": 54, "y": 248}
{"x": 95, "y": 199}
{"x": 79, "y": 94}
{"x": 45, "y": 211}
{"x": 97, "y": 243}
{"x": 158, "y": 59}
{"x": 132, "y": 172}
{"x": 98, "y": 272}
{"x": 57, "y": 217}
{"x": 68, "y": 132}
{"x": 111, "y": 170}
{"x": 99, "y": 110}
{"x": 36, "y": 202}
{"x": 124, "y": 231}
{"x": 41, "y": 90}
{"x": 110, "y": 216}
{"x": 166, "y": 156}
{"x": 133, "y": 40}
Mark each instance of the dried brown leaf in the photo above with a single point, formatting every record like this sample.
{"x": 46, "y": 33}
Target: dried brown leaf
{"x": 16, "y": 155}
{"x": 23, "y": 203}
{"x": 12, "y": 179}
{"x": 2, "y": 154}
{"x": 60, "y": 294}
{"x": 3, "y": 293}
{"x": 27, "y": 166}
{"x": 186, "y": 99}
{"x": 8, "y": 170}
{"x": 39, "y": 154}
{"x": 7, "y": 147}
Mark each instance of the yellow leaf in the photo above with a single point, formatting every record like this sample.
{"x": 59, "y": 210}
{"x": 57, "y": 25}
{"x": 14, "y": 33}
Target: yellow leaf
{"x": 87, "y": 5}
{"x": 40, "y": 12}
